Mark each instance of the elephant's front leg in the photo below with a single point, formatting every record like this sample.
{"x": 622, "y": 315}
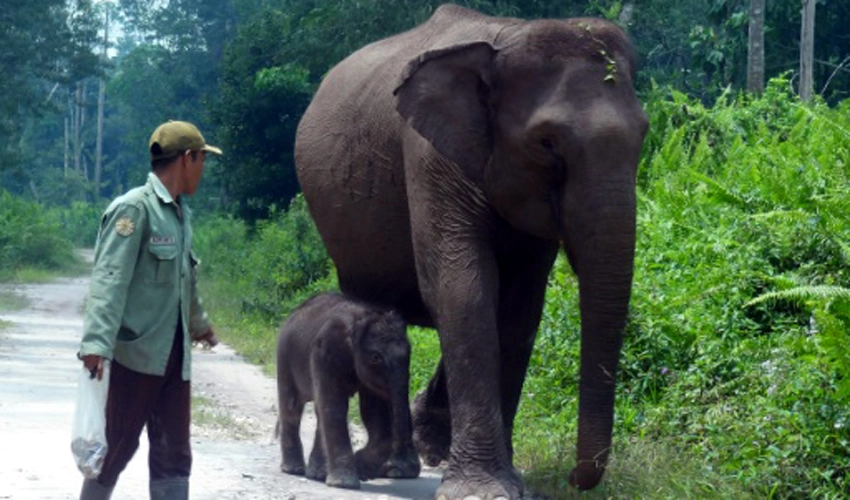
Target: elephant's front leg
{"x": 390, "y": 451}
{"x": 522, "y": 291}
{"x": 375, "y": 413}
{"x": 479, "y": 460}
{"x": 332, "y": 413}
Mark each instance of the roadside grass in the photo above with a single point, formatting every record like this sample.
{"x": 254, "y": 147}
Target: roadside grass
{"x": 638, "y": 468}
{"x": 210, "y": 415}
{"x": 11, "y": 301}
{"x": 32, "y": 274}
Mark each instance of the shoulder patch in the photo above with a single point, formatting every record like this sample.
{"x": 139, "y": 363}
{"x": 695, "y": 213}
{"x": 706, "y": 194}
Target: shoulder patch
{"x": 125, "y": 226}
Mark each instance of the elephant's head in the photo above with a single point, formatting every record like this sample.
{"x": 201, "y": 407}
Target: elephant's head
{"x": 381, "y": 351}
{"x": 382, "y": 362}
{"x": 545, "y": 122}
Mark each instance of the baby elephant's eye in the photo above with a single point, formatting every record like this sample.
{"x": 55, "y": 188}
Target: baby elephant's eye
{"x": 376, "y": 359}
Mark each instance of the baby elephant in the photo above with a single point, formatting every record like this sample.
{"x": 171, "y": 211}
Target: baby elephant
{"x": 328, "y": 349}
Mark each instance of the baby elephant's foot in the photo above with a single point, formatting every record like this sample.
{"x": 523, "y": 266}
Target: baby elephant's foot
{"x": 344, "y": 479}
{"x": 370, "y": 462}
{"x": 295, "y": 470}
{"x": 316, "y": 471}
{"x": 402, "y": 466}
{"x": 292, "y": 464}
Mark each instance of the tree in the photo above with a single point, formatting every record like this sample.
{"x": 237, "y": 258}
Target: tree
{"x": 755, "y": 58}
{"x": 46, "y": 45}
{"x": 807, "y": 50}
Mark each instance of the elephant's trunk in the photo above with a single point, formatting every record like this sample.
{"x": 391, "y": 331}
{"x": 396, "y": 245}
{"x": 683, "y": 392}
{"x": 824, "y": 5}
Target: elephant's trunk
{"x": 601, "y": 244}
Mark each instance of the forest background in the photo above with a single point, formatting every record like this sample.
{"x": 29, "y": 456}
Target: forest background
{"x": 735, "y": 371}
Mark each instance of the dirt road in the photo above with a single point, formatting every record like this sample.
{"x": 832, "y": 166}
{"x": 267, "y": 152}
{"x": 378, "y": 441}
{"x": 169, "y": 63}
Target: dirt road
{"x": 235, "y": 453}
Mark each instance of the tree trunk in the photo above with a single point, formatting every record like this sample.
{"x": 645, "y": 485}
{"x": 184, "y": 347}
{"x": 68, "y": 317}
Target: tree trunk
{"x": 77, "y": 111}
{"x": 755, "y": 59}
{"x": 807, "y": 50}
{"x": 67, "y": 145}
{"x": 101, "y": 97}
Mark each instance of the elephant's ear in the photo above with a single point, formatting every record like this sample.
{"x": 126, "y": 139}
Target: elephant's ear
{"x": 360, "y": 325}
{"x": 443, "y": 94}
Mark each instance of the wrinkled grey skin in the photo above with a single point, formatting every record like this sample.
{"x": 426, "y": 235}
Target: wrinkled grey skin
{"x": 444, "y": 168}
{"x": 329, "y": 349}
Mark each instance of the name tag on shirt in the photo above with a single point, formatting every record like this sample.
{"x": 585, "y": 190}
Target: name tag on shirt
{"x": 162, "y": 240}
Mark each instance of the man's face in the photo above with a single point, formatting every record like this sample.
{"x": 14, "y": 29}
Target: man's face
{"x": 193, "y": 169}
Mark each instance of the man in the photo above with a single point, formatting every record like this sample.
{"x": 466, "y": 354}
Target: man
{"x": 143, "y": 313}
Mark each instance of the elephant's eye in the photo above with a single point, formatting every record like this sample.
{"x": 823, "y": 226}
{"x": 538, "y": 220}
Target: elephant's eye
{"x": 547, "y": 143}
{"x": 376, "y": 359}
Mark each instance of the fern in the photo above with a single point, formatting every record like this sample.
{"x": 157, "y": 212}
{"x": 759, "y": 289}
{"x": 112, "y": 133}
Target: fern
{"x": 722, "y": 192}
{"x": 801, "y": 294}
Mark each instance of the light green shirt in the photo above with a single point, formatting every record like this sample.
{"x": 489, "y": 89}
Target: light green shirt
{"x": 143, "y": 278}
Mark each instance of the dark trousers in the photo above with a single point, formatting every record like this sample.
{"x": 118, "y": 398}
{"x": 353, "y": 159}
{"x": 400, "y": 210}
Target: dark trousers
{"x": 163, "y": 404}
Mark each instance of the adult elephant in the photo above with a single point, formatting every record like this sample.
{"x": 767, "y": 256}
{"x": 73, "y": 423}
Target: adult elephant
{"x": 444, "y": 167}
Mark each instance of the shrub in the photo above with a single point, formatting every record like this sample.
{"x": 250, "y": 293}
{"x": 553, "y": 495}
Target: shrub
{"x": 31, "y": 237}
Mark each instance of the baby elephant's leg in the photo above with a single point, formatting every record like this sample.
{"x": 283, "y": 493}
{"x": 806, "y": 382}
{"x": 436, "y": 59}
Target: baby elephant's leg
{"x": 332, "y": 412}
{"x": 317, "y": 467}
{"x": 376, "y": 415}
{"x": 390, "y": 451}
{"x": 292, "y": 452}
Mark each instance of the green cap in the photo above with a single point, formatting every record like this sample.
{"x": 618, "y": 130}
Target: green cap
{"x": 173, "y": 138}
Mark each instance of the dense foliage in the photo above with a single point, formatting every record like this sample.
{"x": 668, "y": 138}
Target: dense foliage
{"x": 244, "y": 71}
{"x": 31, "y": 237}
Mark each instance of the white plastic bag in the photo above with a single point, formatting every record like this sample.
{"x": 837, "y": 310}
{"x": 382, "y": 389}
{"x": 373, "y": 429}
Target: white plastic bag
{"x": 88, "y": 437}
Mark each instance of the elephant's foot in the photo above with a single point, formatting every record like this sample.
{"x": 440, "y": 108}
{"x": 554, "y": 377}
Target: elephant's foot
{"x": 432, "y": 430}
{"x": 374, "y": 462}
{"x": 370, "y": 460}
{"x": 292, "y": 463}
{"x": 473, "y": 482}
{"x": 343, "y": 479}
{"x": 316, "y": 470}
{"x": 295, "y": 470}
{"x": 404, "y": 465}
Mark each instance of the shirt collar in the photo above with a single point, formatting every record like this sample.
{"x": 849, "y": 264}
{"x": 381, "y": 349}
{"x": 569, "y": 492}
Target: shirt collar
{"x": 159, "y": 188}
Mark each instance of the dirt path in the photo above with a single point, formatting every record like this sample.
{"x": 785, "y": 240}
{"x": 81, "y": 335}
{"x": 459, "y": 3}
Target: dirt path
{"x": 235, "y": 453}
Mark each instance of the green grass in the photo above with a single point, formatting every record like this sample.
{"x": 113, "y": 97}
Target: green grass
{"x": 639, "y": 468}
{"x": 11, "y": 301}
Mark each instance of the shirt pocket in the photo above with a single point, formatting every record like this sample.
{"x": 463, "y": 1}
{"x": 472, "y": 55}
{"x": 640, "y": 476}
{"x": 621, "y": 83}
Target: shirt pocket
{"x": 165, "y": 264}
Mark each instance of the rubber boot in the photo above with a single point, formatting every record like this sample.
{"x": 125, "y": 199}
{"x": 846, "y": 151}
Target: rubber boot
{"x": 92, "y": 490}
{"x": 172, "y": 488}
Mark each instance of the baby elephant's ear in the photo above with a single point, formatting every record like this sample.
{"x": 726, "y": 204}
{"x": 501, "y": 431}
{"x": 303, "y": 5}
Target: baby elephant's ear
{"x": 336, "y": 328}
{"x": 359, "y": 326}
{"x": 443, "y": 95}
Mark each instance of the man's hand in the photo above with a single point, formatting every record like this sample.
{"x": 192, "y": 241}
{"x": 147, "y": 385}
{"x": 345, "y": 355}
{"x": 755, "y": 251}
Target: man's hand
{"x": 208, "y": 340}
{"x": 94, "y": 364}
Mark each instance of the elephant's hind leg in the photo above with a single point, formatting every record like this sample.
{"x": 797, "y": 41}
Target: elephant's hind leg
{"x": 317, "y": 466}
{"x": 292, "y": 452}
{"x": 432, "y": 424}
